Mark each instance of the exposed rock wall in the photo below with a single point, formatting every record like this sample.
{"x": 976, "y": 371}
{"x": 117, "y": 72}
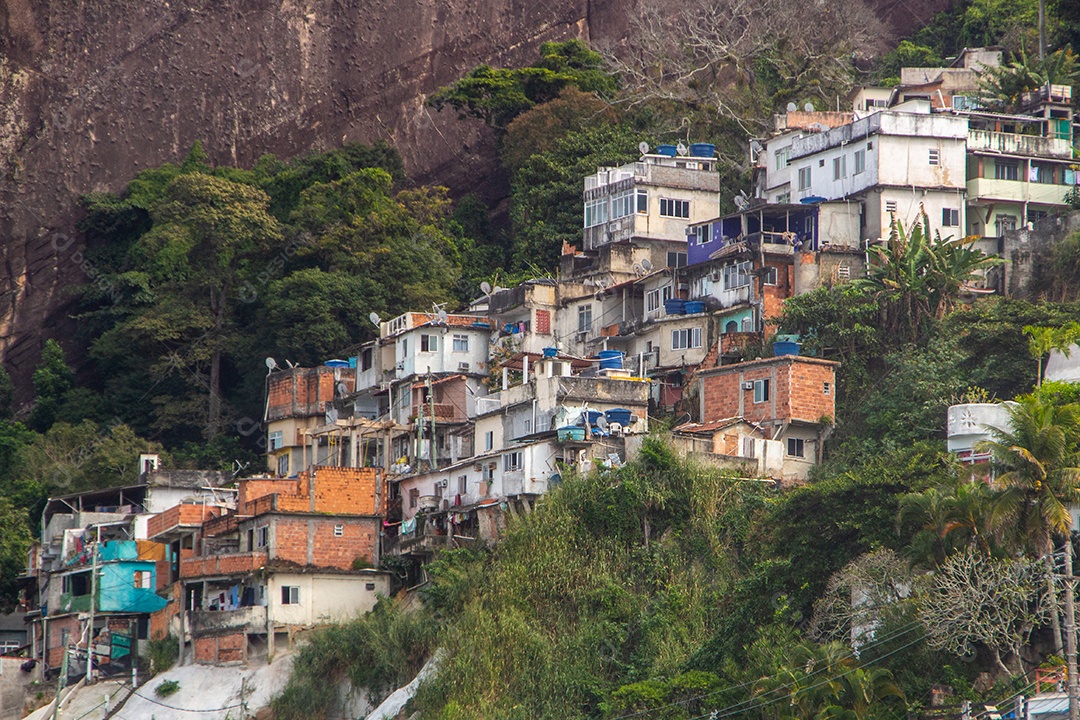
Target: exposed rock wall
{"x": 93, "y": 91}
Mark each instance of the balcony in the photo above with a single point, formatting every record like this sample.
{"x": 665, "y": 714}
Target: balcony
{"x": 245, "y": 619}
{"x": 214, "y": 565}
{"x": 180, "y": 519}
{"x": 443, "y": 412}
{"x": 1014, "y": 144}
{"x": 1017, "y": 191}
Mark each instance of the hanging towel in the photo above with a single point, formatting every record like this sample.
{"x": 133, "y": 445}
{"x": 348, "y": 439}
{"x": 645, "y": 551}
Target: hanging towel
{"x": 1033, "y": 173}
{"x": 408, "y": 527}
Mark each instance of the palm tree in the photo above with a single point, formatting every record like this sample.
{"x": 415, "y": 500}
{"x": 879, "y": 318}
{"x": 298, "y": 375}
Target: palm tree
{"x": 1041, "y": 340}
{"x": 1035, "y": 460}
{"x": 949, "y": 519}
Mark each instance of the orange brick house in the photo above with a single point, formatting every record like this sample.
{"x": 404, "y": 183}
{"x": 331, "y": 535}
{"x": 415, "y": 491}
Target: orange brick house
{"x": 295, "y": 553}
{"x": 789, "y": 398}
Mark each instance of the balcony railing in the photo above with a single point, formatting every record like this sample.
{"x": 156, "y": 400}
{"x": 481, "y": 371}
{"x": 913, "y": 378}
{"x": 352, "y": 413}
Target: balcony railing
{"x": 249, "y": 619}
{"x": 231, "y": 564}
{"x": 443, "y": 412}
{"x": 1014, "y": 144}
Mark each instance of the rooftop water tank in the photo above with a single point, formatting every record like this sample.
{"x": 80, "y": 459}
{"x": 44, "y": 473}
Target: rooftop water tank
{"x": 706, "y": 150}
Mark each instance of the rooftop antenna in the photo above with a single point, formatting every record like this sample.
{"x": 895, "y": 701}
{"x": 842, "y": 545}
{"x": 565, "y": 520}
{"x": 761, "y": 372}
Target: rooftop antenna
{"x": 643, "y": 147}
{"x": 646, "y": 265}
{"x": 375, "y": 319}
{"x": 792, "y": 107}
{"x": 808, "y": 107}
{"x": 271, "y": 365}
{"x": 681, "y": 149}
{"x": 485, "y": 287}
{"x": 290, "y": 363}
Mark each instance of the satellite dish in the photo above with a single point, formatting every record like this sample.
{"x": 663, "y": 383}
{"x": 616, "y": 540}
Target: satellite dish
{"x": 331, "y": 415}
{"x": 646, "y": 265}
{"x": 442, "y": 316}
{"x": 485, "y": 287}
{"x": 601, "y": 423}
{"x": 342, "y": 389}
{"x": 808, "y": 107}
{"x": 643, "y": 147}
{"x": 755, "y": 146}
{"x": 638, "y": 270}
{"x": 792, "y": 107}
{"x": 271, "y": 364}
{"x": 290, "y": 363}
{"x": 681, "y": 149}
{"x": 375, "y": 319}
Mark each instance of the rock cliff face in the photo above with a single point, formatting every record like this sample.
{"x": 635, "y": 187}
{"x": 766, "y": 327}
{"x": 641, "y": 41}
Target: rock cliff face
{"x": 93, "y": 91}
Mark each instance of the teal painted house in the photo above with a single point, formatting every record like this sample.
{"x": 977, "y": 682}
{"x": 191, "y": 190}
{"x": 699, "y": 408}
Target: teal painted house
{"x": 127, "y": 579}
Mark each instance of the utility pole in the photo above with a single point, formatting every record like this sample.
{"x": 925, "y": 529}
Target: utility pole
{"x": 1070, "y": 629}
{"x": 1042, "y": 41}
{"x": 93, "y": 602}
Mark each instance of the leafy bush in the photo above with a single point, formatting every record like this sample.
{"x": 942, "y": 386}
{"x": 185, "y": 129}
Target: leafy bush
{"x": 162, "y": 653}
{"x": 166, "y": 688}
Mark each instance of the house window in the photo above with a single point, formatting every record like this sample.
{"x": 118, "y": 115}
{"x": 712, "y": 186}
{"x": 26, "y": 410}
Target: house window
{"x": 366, "y": 356}
{"x": 736, "y": 276}
{"x": 674, "y": 208}
{"x": 489, "y": 439}
{"x": 1004, "y": 224}
{"x": 262, "y": 536}
{"x": 596, "y": 212}
{"x": 141, "y": 579}
{"x": 1037, "y": 215}
{"x": 461, "y": 343}
{"x": 622, "y": 204}
{"x": 488, "y": 473}
{"x": 686, "y": 339}
{"x": 804, "y": 178}
{"x": 770, "y": 277}
{"x": 642, "y": 202}
{"x": 528, "y": 427}
{"x": 783, "y": 158}
{"x": 429, "y": 343}
{"x": 283, "y": 465}
{"x": 783, "y": 198}
{"x": 1040, "y": 174}
{"x": 826, "y": 388}
{"x": 702, "y": 234}
{"x": 404, "y": 348}
{"x": 512, "y": 461}
{"x": 462, "y": 484}
{"x": 584, "y": 318}
{"x": 1005, "y": 170}
{"x": 654, "y": 299}
{"x": 761, "y": 391}
{"x": 414, "y": 498}
{"x": 839, "y": 167}
{"x": 950, "y": 217}
{"x": 860, "y": 161}
{"x": 870, "y": 145}
{"x": 795, "y": 447}
{"x": 731, "y": 327}
{"x": 290, "y": 595}
{"x": 274, "y": 440}
{"x": 843, "y": 271}
{"x": 890, "y": 206}
{"x": 339, "y": 531}
{"x": 935, "y": 156}
{"x": 676, "y": 259}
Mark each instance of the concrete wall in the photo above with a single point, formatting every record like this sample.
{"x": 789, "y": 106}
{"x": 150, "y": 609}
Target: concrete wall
{"x": 324, "y": 598}
{"x": 14, "y": 686}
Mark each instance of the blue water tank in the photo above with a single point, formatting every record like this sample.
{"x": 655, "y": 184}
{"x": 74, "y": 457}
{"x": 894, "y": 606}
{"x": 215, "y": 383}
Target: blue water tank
{"x": 610, "y": 359}
{"x": 675, "y": 306}
{"x": 706, "y": 150}
{"x": 619, "y": 415}
{"x": 337, "y": 363}
{"x": 551, "y": 352}
{"x": 694, "y": 306}
{"x": 668, "y": 150}
{"x": 785, "y": 347}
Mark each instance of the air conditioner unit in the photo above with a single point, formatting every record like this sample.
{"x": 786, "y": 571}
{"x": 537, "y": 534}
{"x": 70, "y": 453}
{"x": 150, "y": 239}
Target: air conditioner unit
{"x": 463, "y": 367}
{"x": 748, "y": 386}
{"x": 401, "y": 365}
{"x": 441, "y": 483}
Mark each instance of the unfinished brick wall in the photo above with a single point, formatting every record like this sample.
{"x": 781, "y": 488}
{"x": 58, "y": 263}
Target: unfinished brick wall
{"x": 302, "y": 392}
{"x": 55, "y": 648}
{"x": 221, "y": 649}
{"x": 234, "y": 563}
{"x": 313, "y": 540}
{"x": 161, "y": 620}
{"x": 796, "y": 390}
{"x": 254, "y": 488}
{"x": 337, "y": 490}
{"x": 184, "y": 514}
